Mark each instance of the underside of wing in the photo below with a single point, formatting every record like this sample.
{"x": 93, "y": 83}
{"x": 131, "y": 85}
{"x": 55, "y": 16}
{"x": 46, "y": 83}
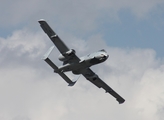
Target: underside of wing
{"x": 53, "y": 36}
{"x": 92, "y": 77}
{"x": 64, "y": 50}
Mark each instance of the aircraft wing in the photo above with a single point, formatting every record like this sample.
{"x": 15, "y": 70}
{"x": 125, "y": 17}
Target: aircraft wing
{"x": 56, "y": 40}
{"x": 53, "y": 36}
{"x": 93, "y": 78}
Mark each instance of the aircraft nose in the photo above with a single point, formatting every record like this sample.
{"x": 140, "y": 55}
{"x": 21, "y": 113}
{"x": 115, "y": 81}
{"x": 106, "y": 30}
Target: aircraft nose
{"x": 107, "y": 55}
{"x": 104, "y": 56}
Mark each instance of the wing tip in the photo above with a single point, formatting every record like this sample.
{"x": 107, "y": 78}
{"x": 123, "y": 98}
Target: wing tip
{"x": 120, "y": 101}
{"x": 41, "y": 21}
{"x": 71, "y": 84}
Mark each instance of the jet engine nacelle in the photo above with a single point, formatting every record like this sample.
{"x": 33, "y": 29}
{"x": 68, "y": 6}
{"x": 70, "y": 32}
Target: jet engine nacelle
{"x": 65, "y": 56}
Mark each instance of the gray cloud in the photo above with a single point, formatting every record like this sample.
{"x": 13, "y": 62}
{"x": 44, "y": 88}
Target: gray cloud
{"x": 73, "y": 15}
{"x": 30, "y": 90}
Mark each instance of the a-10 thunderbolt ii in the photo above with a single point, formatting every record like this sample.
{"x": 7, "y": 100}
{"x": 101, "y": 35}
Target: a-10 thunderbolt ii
{"x": 77, "y": 65}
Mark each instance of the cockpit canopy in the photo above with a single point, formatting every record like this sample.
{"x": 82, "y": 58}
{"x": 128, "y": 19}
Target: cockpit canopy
{"x": 103, "y": 50}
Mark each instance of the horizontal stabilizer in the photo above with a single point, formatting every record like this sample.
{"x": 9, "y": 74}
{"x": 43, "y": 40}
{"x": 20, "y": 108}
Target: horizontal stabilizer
{"x": 48, "y": 61}
{"x": 59, "y": 72}
{"x": 70, "y": 83}
{"x": 51, "y": 64}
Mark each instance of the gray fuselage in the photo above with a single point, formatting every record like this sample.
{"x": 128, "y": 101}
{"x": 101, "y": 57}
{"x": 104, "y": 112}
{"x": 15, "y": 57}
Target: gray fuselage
{"x": 85, "y": 62}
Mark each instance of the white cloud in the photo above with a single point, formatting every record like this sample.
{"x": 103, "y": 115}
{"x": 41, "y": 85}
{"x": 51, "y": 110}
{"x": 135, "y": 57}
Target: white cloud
{"x": 30, "y": 92}
{"x": 141, "y": 74}
{"x": 151, "y": 94}
{"x": 23, "y": 41}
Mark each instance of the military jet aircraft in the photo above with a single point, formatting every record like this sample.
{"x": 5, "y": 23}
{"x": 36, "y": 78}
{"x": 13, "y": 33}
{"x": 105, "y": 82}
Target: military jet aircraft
{"x": 77, "y": 65}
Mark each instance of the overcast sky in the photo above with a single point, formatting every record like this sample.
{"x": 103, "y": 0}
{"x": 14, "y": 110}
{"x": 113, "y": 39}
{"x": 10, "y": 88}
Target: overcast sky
{"x": 131, "y": 31}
